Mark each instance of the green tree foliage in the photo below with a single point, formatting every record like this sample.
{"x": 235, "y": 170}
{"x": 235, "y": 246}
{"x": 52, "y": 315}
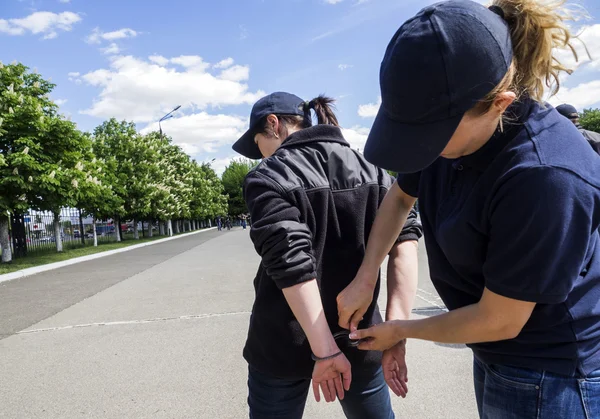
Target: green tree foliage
{"x": 233, "y": 182}
{"x": 47, "y": 164}
{"x": 590, "y": 120}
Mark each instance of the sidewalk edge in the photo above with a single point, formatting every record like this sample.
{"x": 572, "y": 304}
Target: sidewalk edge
{"x": 56, "y": 265}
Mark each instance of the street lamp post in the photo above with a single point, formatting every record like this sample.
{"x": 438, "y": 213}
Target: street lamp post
{"x": 167, "y": 116}
{"x": 169, "y": 225}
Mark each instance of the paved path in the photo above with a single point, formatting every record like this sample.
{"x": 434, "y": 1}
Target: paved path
{"x": 158, "y": 332}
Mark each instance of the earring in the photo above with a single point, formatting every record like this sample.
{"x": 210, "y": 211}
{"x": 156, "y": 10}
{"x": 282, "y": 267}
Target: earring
{"x": 502, "y": 125}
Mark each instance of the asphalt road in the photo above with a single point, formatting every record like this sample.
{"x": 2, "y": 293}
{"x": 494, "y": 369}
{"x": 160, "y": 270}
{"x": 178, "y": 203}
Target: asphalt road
{"x": 158, "y": 332}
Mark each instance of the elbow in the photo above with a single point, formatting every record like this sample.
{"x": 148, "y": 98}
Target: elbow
{"x": 509, "y": 331}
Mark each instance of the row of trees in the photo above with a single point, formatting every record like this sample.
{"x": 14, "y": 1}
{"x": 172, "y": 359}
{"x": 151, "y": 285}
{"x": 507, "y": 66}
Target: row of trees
{"x": 46, "y": 164}
{"x": 590, "y": 120}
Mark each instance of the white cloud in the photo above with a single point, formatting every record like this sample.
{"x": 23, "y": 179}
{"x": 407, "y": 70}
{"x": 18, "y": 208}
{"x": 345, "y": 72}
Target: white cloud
{"x": 370, "y": 109}
{"x": 159, "y": 59}
{"x": 112, "y": 49}
{"x": 60, "y": 102}
{"x": 140, "y": 90}
{"x": 343, "y": 67}
{"x": 190, "y": 61}
{"x": 97, "y": 36}
{"x": 219, "y": 165}
{"x": 333, "y": 1}
{"x": 64, "y": 1}
{"x": 202, "y": 132}
{"x": 243, "y": 32}
{"x": 74, "y": 77}
{"x": 227, "y": 62}
{"x": 236, "y": 73}
{"x": 590, "y": 36}
{"x": 74, "y": 74}
{"x": 46, "y": 23}
{"x": 582, "y": 96}
{"x": 356, "y": 136}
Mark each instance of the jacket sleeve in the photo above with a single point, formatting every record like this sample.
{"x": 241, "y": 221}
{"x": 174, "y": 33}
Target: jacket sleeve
{"x": 281, "y": 239}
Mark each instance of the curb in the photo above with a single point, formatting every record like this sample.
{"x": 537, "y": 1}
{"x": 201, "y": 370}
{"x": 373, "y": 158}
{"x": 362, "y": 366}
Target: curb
{"x": 51, "y": 266}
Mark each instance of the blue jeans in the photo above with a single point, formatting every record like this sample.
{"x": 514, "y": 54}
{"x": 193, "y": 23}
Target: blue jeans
{"x": 277, "y": 398}
{"x": 518, "y": 393}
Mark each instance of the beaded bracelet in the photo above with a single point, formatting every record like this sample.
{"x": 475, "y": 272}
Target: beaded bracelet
{"x": 316, "y": 358}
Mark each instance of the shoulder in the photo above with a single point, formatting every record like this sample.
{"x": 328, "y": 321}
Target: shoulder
{"x": 550, "y": 146}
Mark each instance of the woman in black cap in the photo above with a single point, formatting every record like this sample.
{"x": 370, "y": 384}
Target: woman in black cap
{"x": 509, "y": 197}
{"x": 313, "y": 201}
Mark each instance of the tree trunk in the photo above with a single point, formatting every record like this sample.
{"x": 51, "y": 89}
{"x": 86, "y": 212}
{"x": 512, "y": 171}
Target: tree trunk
{"x": 150, "y": 226}
{"x": 136, "y": 232}
{"x": 176, "y": 228}
{"x": 161, "y": 228}
{"x": 5, "y": 239}
{"x": 169, "y": 228}
{"x": 57, "y": 237}
{"x": 95, "y": 234}
{"x": 117, "y": 223}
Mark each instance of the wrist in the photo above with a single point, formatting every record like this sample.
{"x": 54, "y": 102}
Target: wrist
{"x": 323, "y": 348}
{"x": 396, "y": 314}
{"x": 367, "y": 276}
{"x": 400, "y": 332}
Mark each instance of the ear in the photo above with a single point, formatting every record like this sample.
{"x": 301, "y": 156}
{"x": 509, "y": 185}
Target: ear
{"x": 273, "y": 121}
{"x": 503, "y": 101}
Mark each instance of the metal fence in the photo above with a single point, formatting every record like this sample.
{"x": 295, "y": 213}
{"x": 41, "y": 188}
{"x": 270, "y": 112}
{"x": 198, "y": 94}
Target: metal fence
{"x": 34, "y": 231}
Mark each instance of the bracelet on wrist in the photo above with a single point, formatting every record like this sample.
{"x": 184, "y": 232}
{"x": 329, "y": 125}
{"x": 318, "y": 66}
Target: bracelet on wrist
{"x": 316, "y": 358}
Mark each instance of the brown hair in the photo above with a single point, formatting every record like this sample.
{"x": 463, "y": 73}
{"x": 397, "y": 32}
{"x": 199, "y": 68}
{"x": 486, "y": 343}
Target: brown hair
{"x": 323, "y": 107}
{"x": 537, "y": 27}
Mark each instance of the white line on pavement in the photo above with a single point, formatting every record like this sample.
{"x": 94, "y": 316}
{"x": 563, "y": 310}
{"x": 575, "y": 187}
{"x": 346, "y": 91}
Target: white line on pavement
{"x": 126, "y": 322}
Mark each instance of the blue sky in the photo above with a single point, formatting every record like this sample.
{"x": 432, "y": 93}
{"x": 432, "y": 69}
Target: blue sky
{"x": 138, "y": 59}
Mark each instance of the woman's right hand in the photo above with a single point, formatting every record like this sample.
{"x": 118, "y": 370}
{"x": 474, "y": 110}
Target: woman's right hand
{"x": 333, "y": 376}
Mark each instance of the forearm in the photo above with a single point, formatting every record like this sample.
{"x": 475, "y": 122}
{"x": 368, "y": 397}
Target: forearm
{"x": 466, "y": 325}
{"x": 305, "y": 301}
{"x": 388, "y": 224}
{"x": 402, "y": 280}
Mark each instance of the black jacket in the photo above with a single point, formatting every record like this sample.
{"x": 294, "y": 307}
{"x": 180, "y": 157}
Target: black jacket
{"x": 592, "y": 137}
{"x": 312, "y": 204}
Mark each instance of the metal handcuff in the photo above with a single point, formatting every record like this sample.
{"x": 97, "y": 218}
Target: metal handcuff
{"x": 345, "y": 336}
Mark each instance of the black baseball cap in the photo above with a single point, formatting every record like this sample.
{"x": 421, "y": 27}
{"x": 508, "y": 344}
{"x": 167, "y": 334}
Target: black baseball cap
{"x": 437, "y": 66}
{"x": 568, "y": 111}
{"x": 278, "y": 103}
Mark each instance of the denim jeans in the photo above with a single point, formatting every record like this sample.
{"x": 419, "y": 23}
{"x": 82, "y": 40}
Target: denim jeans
{"x": 277, "y": 398}
{"x": 518, "y": 393}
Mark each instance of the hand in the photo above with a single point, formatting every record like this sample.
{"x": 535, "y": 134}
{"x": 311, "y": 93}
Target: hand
{"x": 353, "y": 303}
{"x": 394, "y": 369}
{"x": 334, "y": 376}
{"x": 380, "y": 337}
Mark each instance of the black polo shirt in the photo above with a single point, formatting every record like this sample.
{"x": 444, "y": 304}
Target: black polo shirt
{"x": 520, "y": 216}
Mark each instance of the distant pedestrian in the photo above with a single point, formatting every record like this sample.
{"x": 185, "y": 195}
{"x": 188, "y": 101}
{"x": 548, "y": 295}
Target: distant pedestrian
{"x": 219, "y": 224}
{"x": 569, "y": 111}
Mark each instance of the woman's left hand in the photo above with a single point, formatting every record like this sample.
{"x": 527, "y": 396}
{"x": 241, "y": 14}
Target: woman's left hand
{"x": 380, "y": 337}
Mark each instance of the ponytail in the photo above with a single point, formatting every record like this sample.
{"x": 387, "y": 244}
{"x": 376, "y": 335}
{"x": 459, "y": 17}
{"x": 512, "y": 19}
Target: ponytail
{"x": 323, "y": 107}
{"x": 537, "y": 28}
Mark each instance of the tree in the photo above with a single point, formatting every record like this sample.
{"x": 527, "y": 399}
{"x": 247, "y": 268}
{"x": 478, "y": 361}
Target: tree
{"x": 95, "y": 196}
{"x": 24, "y": 107}
{"x": 233, "y": 182}
{"x": 63, "y": 151}
{"x": 590, "y": 120}
{"x": 114, "y": 144}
